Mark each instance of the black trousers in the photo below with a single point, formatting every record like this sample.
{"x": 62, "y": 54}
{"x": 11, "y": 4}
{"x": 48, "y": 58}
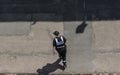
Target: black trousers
{"x": 62, "y": 53}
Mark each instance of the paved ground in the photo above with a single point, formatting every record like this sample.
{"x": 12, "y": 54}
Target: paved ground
{"x": 80, "y": 53}
{"x": 27, "y": 53}
{"x": 94, "y": 50}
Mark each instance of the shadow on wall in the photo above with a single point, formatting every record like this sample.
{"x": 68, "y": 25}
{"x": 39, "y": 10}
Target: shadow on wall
{"x": 50, "y": 68}
{"x": 81, "y": 27}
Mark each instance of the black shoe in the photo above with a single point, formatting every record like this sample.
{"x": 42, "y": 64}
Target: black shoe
{"x": 64, "y": 64}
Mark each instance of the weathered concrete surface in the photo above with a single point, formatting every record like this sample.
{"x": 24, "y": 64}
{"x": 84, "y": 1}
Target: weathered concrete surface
{"x": 94, "y": 50}
{"x": 14, "y": 28}
{"x": 80, "y": 54}
{"x": 25, "y": 54}
{"x": 106, "y": 46}
{"x": 106, "y": 35}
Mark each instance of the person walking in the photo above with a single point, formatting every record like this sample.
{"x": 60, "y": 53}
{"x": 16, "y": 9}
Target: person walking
{"x": 59, "y": 44}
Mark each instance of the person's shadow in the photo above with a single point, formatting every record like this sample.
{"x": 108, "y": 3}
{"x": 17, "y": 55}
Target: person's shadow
{"x": 81, "y": 27}
{"x": 50, "y": 68}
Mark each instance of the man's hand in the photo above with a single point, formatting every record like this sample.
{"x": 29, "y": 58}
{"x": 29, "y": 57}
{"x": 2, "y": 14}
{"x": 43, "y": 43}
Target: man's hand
{"x": 54, "y": 51}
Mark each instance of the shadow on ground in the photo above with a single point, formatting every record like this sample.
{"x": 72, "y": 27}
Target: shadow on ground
{"x": 81, "y": 27}
{"x": 50, "y": 67}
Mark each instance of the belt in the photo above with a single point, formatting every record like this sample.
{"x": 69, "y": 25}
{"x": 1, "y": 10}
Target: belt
{"x": 61, "y": 47}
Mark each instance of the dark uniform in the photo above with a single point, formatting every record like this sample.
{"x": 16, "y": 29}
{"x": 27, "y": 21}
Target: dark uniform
{"x": 59, "y": 43}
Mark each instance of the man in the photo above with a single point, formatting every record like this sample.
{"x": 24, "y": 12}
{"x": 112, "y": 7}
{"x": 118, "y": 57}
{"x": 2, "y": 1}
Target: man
{"x": 60, "y": 46}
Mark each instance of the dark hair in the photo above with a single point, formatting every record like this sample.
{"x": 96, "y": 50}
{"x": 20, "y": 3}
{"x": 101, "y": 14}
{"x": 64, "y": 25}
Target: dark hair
{"x": 56, "y": 33}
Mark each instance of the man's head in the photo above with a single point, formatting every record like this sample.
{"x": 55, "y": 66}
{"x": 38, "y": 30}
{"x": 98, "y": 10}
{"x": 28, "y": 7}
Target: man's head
{"x": 56, "y": 33}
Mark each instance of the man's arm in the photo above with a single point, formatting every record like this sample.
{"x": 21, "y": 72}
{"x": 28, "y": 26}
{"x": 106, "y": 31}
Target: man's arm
{"x": 53, "y": 47}
{"x": 53, "y": 50}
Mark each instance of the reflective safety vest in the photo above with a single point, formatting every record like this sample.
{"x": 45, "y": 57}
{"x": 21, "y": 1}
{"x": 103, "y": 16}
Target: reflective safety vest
{"x": 59, "y": 43}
